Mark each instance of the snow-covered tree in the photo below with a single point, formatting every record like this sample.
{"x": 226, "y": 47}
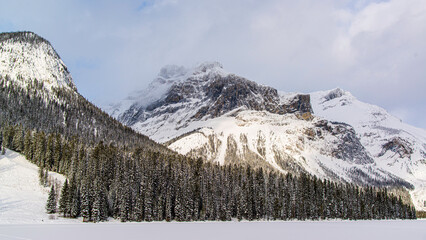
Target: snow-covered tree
{"x": 51, "y": 201}
{"x": 64, "y": 200}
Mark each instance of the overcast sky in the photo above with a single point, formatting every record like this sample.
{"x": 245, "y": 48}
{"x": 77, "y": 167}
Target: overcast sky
{"x": 374, "y": 49}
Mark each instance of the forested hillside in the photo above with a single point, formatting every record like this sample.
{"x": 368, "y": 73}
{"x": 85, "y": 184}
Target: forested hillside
{"x": 64, "y": 112}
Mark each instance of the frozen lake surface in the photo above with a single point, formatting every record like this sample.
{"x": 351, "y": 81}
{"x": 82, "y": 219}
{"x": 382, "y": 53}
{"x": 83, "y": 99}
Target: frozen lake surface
{"x": 346, "y": 230}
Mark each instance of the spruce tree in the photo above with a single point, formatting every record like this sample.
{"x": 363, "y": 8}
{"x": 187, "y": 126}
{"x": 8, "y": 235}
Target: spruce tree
{"x": 51, "y": 201}
{"x": 1, "y": 142}
{"x": 41, "y": 176}
{"x": 40, "y": 149}
{"x": 74, "y": 199}
{"x": 85, "y": 203}
{"x": 57, "y": 154}
{"x": 50, "y": 152}
{"x": 18, "y": 139}
{"x": 96, "y": 209}
{"x": 64, "y": 200}
{"x": 28, "y": 145}
{"x": 8, "y": 134}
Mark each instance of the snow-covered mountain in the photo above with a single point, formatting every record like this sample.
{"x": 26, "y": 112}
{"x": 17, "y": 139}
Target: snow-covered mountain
{"x": 25, "y": 57}
{"x": 181, "y": 96}
{"x": 395, "y": 146}
{"x": 210, "y": 113}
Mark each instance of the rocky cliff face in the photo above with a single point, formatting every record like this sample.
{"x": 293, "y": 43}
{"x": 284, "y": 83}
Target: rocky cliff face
{"x": 207, "y": 91}
{"x": 231, "y": 92}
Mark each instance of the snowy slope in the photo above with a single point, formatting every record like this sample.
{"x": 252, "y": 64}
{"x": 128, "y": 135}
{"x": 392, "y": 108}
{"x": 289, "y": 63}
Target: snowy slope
{"x": 396, "y": 147}
{"x": 22, "y": 198}
{"x": 282, "y": 142}
{"x": 25, "y": 56}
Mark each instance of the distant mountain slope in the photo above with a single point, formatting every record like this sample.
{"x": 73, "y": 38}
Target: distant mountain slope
{"x": 396, "y": 147}
{"x": 37, "y": 91}
{"x": 207, "y": 112}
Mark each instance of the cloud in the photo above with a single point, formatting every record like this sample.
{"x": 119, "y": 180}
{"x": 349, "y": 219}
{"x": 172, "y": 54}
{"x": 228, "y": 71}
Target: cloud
{"x": 385, "y": 43}
{"x": 375, "y": 49}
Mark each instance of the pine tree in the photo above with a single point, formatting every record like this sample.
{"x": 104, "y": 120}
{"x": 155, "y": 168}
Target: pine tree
{"x": 64, "y": 200}
{"x": 99, "y": 209}
{"x": 96, "y": 212}
{"x": 74, "y": 202}
{"x": 85, "y": 203}
{"x": 51, "y": 201}
{"x": 50, "y": 152}
{"x": 18, "y": 139}
{"x": 28, "y": 145}
{"x": 41, "y": 176}
{"x": 57, "y": 154}
{"x": 8, "y": 134}
{"x": 138, "y": 211}
{"x": 3, "y": 151}
{"x": 40, "y": 149}
{"x": 1, "y": 136}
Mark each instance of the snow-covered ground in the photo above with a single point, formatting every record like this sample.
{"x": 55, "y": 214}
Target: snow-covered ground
{"x": 348, "y": 230}
{"x": 22, "y": 198}
{"x": 268, "y": 137}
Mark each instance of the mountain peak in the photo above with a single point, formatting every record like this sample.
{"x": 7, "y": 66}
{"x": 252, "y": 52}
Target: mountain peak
{"x": 203, "y": 92}
{"x": 172, "y": 71}
{"x": 22, "y": 37}
{"x": 205, "y": 66}
{"x": 25, "y": 57}
{"x": 334, "y": 93}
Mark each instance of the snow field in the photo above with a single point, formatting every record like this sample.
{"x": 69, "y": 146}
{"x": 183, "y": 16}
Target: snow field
{"x": 327, "y": 230}
{"x": 22, "y": 198}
